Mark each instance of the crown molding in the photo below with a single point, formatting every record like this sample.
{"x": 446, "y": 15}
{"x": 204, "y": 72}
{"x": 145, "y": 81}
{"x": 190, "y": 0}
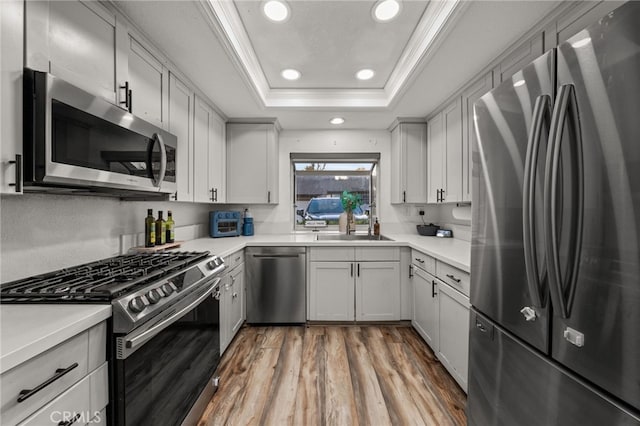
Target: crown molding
{"x": 224, "y": 19}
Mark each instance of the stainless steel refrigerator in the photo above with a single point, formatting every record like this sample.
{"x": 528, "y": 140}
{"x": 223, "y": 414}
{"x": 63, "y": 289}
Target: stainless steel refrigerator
{"x": 555, "y": 256}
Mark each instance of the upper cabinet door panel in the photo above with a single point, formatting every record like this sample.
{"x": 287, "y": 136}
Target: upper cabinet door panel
{"x": 147, "y": 84}
{"x": 519, "y": 58}
{"x": 452, "y": 116}
{"x": 473, "y": 92}
{"x": 75, "y": 41}
{"x": 180, "y": 124}
{"x": 415, "y": 161}
{"x": 436, "y": 157}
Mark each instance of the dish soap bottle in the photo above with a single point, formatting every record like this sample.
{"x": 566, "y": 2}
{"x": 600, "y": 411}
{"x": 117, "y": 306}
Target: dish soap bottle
{"x": 376, "y": 228}
{"x": 161, "y": 229}
{"x": 170, "y": 228}
{"x": 149, "y": 229}
{"x": 247, "y": 226}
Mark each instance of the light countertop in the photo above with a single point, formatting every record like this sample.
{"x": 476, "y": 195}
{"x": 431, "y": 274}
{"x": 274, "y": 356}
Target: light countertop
{"x": 449, "y": 250}
{"x": 28, "y": 330}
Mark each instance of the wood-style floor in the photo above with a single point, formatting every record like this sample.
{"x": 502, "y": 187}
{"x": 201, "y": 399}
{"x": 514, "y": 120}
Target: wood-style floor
{"x": 333, "y": 375}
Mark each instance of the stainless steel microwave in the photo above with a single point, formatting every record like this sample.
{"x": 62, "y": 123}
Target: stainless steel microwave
{"x": 77, "y": 141}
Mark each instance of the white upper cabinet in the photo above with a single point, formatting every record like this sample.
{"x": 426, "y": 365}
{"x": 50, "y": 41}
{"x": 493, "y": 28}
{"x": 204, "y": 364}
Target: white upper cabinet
{"x": 409, "y": 162}
{"x": 518, "y": 58}
{"x": 252, "y": 163}
{"x": 208, "y": 151}
{"x": 148, "y": 82}
{"x": 444, "y": 146}
{"x": 11, "y": 49}
{"x": 469, "y": 96}
{"x": 78, "y": 42}
{"x": 181, "y": 104}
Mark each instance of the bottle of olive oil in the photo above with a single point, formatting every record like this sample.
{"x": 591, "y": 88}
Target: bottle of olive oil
{"x": 170, "y": 225}
{"x": 161, "y": 230}
{"x": 149, "y": 229}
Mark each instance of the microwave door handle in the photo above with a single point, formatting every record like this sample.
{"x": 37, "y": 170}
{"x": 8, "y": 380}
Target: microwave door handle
{"x": 156, "y": 329}
{"x": 163, "y": 159}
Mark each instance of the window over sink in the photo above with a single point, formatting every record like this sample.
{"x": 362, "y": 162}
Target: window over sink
{"x": 319, "y": 181}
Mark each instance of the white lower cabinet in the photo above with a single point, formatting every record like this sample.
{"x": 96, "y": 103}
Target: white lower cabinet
{"x": 441, "y": 317}
{"x": 69, "y": 379}
{"x": 232, "y": 305}
{"x": 331, "y": 295}
{"x": 364, "y": 286}
{"x": 377, "y": 291}
{"x": 425, "y": 306}
{"x": 453, "y": 320}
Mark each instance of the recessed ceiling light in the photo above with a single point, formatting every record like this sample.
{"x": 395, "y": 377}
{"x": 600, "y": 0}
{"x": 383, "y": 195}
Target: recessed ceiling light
{"x": 386, "y": 10}
{"x": 290, "y": 74}
{"x": 276, "y": 10}
{"x": 336, "y": 120}
{"x": 365, "y": 74}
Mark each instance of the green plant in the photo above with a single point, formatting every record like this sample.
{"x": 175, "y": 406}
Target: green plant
{"x": 350, "y": 201}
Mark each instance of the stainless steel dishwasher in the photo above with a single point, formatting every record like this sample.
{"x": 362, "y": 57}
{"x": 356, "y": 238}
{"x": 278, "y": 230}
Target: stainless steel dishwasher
{"x": 276, "y": 285}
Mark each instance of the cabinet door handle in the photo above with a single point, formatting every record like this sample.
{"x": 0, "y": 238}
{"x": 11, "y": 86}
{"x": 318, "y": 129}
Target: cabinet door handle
{"x": 453, "y": 278}
{"x": 130, "y": 95}
{"x": 70, "y": 421}
{"x": 442, "y": 195}
{"x": 127, "y": 95}
{"x": 28, "y": 393}
{"x": 358, "y": 269}
{"x": 410, "y": 271}
{"x": 234, "y": 295}
{"x": 211, "y": 198}
{"x": 404, "y": 196}
{"x": 352, "y": 269}
{"x": 18, "y": 163}
{"x": 215, "y": 193}
{"x": 433, "y": 288}
{"x": 268, "y": 197}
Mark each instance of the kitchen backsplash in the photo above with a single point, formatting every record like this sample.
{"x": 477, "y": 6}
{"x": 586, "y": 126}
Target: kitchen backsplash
{"x": 44, "y": 232}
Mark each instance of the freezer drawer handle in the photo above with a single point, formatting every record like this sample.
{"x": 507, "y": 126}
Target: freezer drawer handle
{"x": 528, "y": 313}
{"x": 574, "y": 337}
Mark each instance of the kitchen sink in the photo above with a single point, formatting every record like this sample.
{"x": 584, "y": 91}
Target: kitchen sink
{"x": 352, "y": 237}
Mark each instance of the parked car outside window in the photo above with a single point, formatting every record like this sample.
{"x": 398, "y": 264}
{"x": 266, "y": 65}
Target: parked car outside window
{"x": 330, "y": 209}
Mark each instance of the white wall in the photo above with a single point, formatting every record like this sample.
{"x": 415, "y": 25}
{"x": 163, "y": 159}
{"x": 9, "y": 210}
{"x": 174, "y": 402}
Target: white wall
{"x": 44, "y": 232}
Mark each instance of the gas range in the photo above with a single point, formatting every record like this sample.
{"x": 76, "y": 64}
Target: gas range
{"x": 138, "y": 286}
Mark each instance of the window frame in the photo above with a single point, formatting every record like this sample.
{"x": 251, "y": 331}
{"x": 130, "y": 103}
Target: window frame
{"x": 373, "y": 189}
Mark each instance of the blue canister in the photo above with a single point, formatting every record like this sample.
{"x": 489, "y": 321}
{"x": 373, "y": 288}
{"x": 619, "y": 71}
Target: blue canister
{"x": 247, "y": 225}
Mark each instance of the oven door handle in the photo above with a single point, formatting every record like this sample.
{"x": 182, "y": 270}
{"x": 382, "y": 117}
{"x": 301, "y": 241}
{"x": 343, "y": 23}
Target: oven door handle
{"x": 153, "y": 331}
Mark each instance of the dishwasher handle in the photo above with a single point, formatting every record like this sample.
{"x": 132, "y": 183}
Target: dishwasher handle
{"x": 274, "y": 256}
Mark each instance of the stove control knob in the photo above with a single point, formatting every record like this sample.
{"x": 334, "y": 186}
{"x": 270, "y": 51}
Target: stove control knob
{"x": 167, "y": 289}
{"x": 154, "y": 296}
{"x": 212, "y": 265}
{"x": 136, "y": 304}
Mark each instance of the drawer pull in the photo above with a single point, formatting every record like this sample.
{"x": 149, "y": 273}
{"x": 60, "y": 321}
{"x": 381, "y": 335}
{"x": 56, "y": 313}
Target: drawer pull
{"x": 70, "y": 421}
{"x": 28, "y": 393}
{"x": 453, "y": 278}
{"x": 419, "y": 260}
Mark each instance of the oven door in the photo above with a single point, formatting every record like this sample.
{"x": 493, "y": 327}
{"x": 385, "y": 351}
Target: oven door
{"x": 162, "y": 368}
{"x": 75, "y": 139}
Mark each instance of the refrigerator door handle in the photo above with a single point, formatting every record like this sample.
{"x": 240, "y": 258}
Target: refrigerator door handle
{"x": 565, "y": 107}
{"x": 540, "y": 123}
